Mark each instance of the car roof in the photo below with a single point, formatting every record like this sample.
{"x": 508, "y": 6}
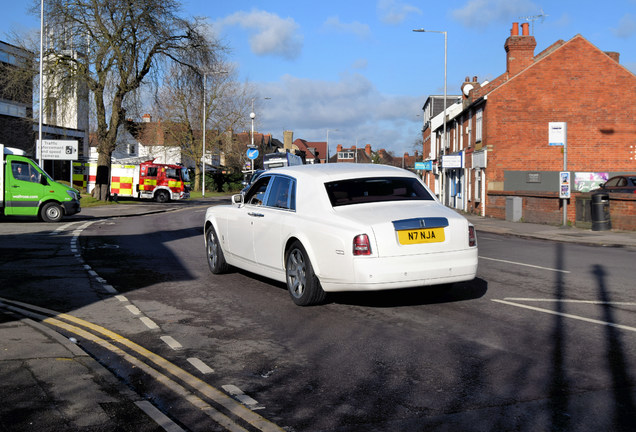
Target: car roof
{"x": 337, "y": 171}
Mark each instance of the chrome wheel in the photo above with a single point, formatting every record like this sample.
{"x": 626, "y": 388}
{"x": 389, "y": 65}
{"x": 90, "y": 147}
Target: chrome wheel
{"x": 216, "y": 260}
{"x": 296, "y": 273}
{"x": 302, "y": 284}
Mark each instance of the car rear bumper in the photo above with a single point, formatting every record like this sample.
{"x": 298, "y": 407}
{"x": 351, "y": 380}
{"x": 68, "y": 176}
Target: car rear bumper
{"x": 370, "y": 274}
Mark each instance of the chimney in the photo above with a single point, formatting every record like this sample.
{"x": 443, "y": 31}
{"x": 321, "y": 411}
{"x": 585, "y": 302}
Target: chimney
{"x": 339, "y": 148}
{"x": 367, "y": 149}
{"x": 288, "y": 138}
{"x": 146, "y": 118}
{"x": 613, "y": 55}
{"x": 519, "y": 49}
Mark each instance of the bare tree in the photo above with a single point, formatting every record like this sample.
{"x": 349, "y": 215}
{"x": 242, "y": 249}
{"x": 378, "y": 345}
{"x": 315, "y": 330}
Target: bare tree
{"x": 181, "y": 103}
{"x": 116, "y": 47}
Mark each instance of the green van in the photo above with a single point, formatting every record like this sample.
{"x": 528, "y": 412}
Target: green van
{"x": 27, "y": 190}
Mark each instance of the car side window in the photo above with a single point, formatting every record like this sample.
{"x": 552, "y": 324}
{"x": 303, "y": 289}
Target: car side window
{"x": 612, "y": 182}
{"x": 282, "y": 194}
{"x": 25, "y": 172}
{"x": 256, "y": 194}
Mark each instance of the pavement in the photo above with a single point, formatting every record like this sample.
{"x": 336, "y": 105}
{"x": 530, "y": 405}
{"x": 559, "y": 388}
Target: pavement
{"x": 49, "y": 383}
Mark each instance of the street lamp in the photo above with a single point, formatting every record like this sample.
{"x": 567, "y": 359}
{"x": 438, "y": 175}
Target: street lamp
{"x": 444, "y": 121}
{"x": 253, "y": 116}
{"x": 333, "y": 130}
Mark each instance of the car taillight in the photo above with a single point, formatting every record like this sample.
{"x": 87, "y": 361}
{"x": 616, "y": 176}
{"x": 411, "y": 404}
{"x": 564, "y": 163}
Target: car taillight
{"x": 361, "y": 245}
{"x": 472, "y": 237}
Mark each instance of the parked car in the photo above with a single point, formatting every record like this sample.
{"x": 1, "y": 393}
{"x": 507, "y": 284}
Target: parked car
{"x": 621, "y": 183}
{"x": 341, "y": 227}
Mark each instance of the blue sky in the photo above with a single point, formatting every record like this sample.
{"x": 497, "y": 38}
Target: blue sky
{"x": 357, "y": 66}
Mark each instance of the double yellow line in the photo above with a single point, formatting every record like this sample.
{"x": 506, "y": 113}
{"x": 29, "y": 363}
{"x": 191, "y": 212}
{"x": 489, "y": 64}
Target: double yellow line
{"x": 188, "y": 382}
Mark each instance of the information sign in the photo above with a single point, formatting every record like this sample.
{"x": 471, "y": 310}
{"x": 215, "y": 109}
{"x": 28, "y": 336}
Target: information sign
{"x": 59, "y": 149}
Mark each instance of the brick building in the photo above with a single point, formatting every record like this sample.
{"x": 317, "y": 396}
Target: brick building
{"x": 498, "y": 143}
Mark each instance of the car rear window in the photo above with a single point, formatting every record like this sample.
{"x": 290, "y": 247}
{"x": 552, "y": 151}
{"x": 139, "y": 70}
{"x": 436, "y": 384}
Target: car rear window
{"x": 375, "y": 189}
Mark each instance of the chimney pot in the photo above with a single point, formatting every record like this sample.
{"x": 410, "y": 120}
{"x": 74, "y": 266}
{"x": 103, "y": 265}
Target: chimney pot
{"x": 475, "y": 78}
{"x": 515, "y": 29}
{"x": 524, "y": 29}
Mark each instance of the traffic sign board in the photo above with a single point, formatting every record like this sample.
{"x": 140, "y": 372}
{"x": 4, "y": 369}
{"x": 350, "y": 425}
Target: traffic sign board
{"x": 59, "y": 149}
{"x": 252, "y": 153}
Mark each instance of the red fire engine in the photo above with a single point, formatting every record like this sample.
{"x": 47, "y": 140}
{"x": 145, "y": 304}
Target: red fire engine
{"x": 161, "y": 182}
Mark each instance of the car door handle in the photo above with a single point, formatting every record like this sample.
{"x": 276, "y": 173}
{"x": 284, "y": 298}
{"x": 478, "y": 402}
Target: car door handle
{"x": 256, "y": 214}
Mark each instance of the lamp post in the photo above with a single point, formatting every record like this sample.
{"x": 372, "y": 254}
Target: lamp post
{"x": 443, "y": 150}
{"x": 38, "y": 147}
{"x": 205, "y": 80}
{"x": 253, "y": 116}
{"x": 333, "y": 130}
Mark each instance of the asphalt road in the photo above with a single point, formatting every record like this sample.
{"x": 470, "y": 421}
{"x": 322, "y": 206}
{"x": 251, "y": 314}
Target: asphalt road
{"x": 541, "y": 340}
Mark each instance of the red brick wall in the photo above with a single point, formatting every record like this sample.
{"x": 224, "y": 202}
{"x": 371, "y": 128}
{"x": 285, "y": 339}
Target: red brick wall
{"x": 547, "y": 208}
{"x": 623, "y": 211}
{"x": 577, "y": 84}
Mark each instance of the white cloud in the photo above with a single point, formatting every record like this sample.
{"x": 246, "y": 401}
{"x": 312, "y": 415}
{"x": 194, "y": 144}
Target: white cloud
{"x": 395, "y": 11}
{"x": 481, "y": 13}
{"x": 357, "y": 28}
{"x": 269, "y": 33}
{"x": 353, "y": 105}
{"x": 360, "y": 63}
{"x": 626, "y": 27}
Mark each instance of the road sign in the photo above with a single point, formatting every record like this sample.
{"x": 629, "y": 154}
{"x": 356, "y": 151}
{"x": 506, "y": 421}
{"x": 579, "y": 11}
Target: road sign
{"x": 59, "y": 149}
{"x": 252, "y": 153}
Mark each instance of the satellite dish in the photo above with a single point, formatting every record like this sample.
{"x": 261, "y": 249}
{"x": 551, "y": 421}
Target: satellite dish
{"x": 467, "y": 89}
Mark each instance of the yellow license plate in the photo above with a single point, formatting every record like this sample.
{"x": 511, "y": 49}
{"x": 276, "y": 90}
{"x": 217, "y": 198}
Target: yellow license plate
{"x": 422, "y": 235}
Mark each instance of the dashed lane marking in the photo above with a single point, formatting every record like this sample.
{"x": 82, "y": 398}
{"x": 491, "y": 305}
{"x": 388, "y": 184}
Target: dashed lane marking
{"x": 171, "y": 342}
{"x": 524, "y": 265}
{"x": 566, "y": 315}
{"x": 200, "y": 366}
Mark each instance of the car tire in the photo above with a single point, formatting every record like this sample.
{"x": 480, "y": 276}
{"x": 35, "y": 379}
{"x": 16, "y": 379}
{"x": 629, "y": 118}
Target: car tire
{"x": 162, "y": 196}
{"x": 214, "y": 253}
{"x": 51, "y": 212}
{"x": 302, "y": 284}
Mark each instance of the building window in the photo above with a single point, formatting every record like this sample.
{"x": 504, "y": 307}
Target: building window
{"x": 478, "y": 124}
{"x": 131, "y": 149}
{"x": 345, "y": 155}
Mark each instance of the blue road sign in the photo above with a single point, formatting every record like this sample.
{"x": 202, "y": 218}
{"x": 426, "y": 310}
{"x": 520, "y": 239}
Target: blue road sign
{"x": 252, "y": 153}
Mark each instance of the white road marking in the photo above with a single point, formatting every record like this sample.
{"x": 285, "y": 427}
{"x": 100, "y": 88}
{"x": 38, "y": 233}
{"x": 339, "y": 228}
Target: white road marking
{"x": 595, "y": 302}
{"x": 121, "y": 298}
{"x": 110, "y": 289}
{"x": 238, "y": 394}
{"x": 201, "y": 367}
{"x": 565, "y": 315}
{"x": 160, "y": 418}
{"x": 171, "y": 342}
{"x": 525, "y": 265}
{"x": 133, "y": 310}
{"x": 149, "y": 323}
